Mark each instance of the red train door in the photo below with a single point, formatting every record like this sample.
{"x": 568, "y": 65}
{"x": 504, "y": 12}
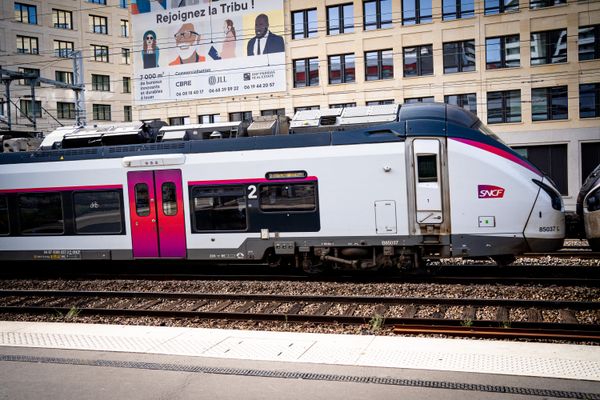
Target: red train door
{"x": 156, "y": 209}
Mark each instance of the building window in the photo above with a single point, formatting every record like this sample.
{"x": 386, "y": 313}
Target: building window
{"x": 342, "y": 105}
{"x": 502, "y": 52}
{"x": 127, "y": 113}
{"x": 455, "y": 9}
{"x": 459, "y": 56}
{"x": 589, "y": 42}
{"x": 549, "y": 47}
{"x": 552, "y": 160}
{"x": 340, "y": 19}
{"x": 209, "y": 118}
{"x": 64, "y": 76}
{"x": 304, "y": 23}
{"x": 25, "y": 106}
{"x": 500, "y": 6}
{"x": 379, "y": 102}
{"x": 306, "y": 72}
{"x": 273, "y": 112}
{"x": 101, "y": 112}
{"x": 29, "y": 71}
{"x": 467, "y": 101}
{"x": 100, "y": 53}
{"x": 589, "y": 100}
{"x": 123, "y": 3}
{"x": 65, "y": 110}
{"x": 413, "y": 100}
{"x": 306, "y": 108}
{"x": 124, "y": 28}
{"x": 342, "y": 69}
{"x": 377, "y": 14}
{"x": 26, "y": 13}
{"x": 240, "y": 116}
{"x": 125, "y": 56}
{"x": 379, "y": 65}
{"x": 418, "y": 60}
{"x": 63, "y": 48}
{"x": 126, "y": 84}
{"x": 504, "y": 106}
{"x": 27, "y": 45}
{"x": 101, "y": 82}
{"x": 174, "y": 121}
{"x": 549, "y": 103}
{"x": 545, "y": 3}
{"x": 98, "y": 24}
{"x": 62, "y": 19}
{"x": 103, "y": 2}
{"x": 416, "y": 11}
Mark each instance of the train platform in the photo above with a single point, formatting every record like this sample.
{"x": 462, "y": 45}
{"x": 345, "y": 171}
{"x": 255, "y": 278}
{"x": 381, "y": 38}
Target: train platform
{"x": 66, "y": 360}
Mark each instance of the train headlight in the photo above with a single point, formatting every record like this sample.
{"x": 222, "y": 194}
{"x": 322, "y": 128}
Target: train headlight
{"x": 593, "y": 200}
{"x": 555, "y": 197}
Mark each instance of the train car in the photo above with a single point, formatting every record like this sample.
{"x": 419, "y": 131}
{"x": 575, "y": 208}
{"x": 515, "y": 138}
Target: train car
{"x": 365, "y": 188}
{"x": 588, "y": 208}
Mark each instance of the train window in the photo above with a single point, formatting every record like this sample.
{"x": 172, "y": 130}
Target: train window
{"x": 219, "y": 208}
{"x": 427, "y": 167}
{"x": 97, "y": 212}
{"x": 169, "y": 199}
{"x": 288, "y": 197}
{"x": 142, "y": 200}
{"x": 4, "y": 227}
{"x": 41, "y": 214}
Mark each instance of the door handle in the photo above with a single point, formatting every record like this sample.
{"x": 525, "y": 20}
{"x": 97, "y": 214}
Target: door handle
{"x": 153, "y": 220}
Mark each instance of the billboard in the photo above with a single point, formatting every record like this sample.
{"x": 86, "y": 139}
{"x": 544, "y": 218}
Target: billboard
{"x": 198, "y": 49}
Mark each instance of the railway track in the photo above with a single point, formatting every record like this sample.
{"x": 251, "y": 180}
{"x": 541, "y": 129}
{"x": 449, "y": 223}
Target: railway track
{"x": 472, "y": 317}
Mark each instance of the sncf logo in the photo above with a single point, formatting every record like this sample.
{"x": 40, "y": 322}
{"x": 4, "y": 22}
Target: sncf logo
{"x": 490, "y": 192}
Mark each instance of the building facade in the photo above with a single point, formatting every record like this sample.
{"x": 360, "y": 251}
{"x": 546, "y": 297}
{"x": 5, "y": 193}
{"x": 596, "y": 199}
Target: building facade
{"x": 38, "y": 37}
{"x": 528, "y": 69}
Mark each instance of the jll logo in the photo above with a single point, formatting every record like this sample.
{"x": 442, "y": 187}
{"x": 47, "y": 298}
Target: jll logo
{"x": 490, "y": 192}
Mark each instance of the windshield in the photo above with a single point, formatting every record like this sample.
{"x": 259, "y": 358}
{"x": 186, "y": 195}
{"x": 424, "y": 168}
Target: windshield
{"x": 487, "y": 131}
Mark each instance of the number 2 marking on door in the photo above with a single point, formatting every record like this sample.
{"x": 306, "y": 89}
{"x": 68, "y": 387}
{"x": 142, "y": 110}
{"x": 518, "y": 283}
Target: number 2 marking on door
{"x": 252, "y": 192}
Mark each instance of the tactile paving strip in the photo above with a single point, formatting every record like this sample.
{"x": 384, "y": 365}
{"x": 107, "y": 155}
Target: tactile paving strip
{"x": 429, "y": 384}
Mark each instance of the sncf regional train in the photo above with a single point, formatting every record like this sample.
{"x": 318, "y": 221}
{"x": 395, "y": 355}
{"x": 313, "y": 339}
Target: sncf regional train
{"x": 588, "y": 208}
{"x": 354, "y": 188}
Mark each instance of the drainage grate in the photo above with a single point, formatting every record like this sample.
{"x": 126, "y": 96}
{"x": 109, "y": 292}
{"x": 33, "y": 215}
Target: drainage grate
{"x": 307, "y": 376}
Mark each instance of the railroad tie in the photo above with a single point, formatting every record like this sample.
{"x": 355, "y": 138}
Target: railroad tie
{"x": 296, "y": 308}
{"x": 323, "y": 309}
{"x": 534, "y": 315}
{"x": 567, "y": 317}
{"x": 270, "y": 307}
{"x": 221, "y": 306}
{"x": 469, "y": 313}
{"x": 502, "y": 314}
{"x": 410, "y": 311}
{"x": 245, "y": 307}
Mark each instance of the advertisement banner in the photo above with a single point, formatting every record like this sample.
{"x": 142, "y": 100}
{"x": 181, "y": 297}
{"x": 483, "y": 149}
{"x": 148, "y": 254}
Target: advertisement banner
{"x": 198, "y": 49}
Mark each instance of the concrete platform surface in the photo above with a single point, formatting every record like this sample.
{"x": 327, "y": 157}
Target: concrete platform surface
{"x": 564, "y": 361}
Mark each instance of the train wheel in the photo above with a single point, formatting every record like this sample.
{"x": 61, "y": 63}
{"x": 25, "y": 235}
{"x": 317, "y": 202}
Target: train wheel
{"x": 504, "y": 260}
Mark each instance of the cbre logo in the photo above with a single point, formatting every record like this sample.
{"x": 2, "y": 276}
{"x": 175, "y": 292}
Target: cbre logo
{"x": 490, "y": 192}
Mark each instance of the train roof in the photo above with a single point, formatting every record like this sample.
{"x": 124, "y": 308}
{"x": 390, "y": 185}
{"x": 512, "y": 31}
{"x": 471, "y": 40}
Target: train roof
{"x": 421, "y": 119}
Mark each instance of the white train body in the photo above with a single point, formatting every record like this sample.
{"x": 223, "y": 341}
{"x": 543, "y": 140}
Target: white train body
{"x": 363, "y": 198}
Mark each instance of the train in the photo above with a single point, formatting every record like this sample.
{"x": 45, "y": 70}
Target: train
{"x": 364, "y": 188}
{"x": 588, "y": 209}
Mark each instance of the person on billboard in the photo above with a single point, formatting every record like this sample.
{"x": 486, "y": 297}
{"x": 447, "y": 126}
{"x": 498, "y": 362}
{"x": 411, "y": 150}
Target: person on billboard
{"x": 188, "y": 44}
{"x": 150, "y": 50}
{"x": 228, "y": 50}
{"x": 265, "y": 41}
